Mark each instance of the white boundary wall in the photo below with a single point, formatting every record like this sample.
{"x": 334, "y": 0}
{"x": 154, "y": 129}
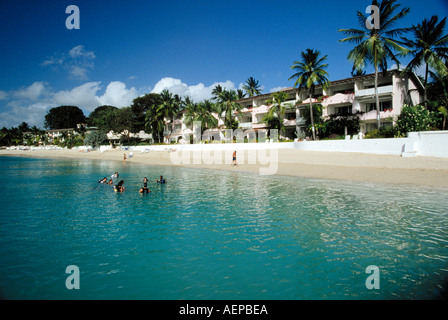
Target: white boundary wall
{"x": 430, "y": 144}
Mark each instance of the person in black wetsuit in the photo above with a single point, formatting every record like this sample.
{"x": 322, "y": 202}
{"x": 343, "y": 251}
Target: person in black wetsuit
{"x": 145, "y": 189}
{"x": 119, "y": 187}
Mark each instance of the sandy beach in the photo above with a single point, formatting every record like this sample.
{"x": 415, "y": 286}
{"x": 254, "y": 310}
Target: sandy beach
{"x": 418, "y": 170}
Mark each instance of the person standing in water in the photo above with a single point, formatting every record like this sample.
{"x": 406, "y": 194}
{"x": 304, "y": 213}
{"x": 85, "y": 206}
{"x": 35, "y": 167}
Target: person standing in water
{"x": 145, "y": 189}
{"x": 162, "y": 180}
{"x": 119, "y": 187}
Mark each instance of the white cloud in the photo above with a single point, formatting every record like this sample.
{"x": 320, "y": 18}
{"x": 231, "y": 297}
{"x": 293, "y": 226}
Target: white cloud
{"x": 31, "y": 92}
{"x": 77, "y": 62}
{"x": 79, "y": 52}
{"x": 3, "y": 95}
{"x": 83, "y": 96}
{"x": 118, "y": 95}
{"x": 86, "y": 96}
{"x": 198, "y": 92}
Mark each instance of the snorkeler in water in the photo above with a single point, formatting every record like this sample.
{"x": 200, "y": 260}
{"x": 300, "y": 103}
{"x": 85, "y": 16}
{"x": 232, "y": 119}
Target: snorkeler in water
{"x": 145, "y": 189}
{"x": 162, "y": 180}
{"x": 103, "y": 181}
{"x": 119, "y": 187}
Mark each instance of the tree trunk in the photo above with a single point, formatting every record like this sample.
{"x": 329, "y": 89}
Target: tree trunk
{"x": 377, "y": 99}
{"x": 312, "y": 117}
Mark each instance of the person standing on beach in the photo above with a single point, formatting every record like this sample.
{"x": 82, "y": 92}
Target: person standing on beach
{"x": 234, "y": 163}
{"x": 124, "y": 156}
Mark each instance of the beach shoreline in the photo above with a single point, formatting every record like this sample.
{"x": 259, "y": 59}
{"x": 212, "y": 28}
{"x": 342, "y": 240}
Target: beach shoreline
{"x": 345, "y": 166}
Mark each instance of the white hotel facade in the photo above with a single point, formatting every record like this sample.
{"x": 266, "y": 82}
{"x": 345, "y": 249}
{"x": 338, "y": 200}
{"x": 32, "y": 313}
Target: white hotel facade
{"x": 354, "y": 96}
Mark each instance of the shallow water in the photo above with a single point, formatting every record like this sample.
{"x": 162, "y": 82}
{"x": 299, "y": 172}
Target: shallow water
{"x": 214, "y": 235}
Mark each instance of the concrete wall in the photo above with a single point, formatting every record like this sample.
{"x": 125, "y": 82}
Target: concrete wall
{"x": 430, "y": 144}
{"x": 375, "y": 146}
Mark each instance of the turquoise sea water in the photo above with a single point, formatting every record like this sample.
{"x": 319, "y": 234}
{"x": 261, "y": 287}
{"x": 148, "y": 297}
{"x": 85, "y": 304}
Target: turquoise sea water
{"x": 214, "y": 235}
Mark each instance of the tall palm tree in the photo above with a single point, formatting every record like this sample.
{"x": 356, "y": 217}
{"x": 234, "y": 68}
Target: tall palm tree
{"x": 191, "y": 111}
{"x": 216, "y": 92}
{"x": 429, "y": 47}
{"x": 154, "y": 121}
{"x": 252, "y": 87}
{"x": 240, "y": 94}
{"x": 377, "y": 46}
{"x": 277, "y": 109}
{"x": 168, "y": 106}
{"x": 227, "y": 104}
{"x": 310, "y": 73}
{"x": 205, "y": 115}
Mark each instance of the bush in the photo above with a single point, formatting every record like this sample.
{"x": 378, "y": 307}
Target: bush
{"x": 415, "y": 118}
{"x": 381, "y": 133}
{"x": 336, "y": 126}
{"x": 95, "y": 139}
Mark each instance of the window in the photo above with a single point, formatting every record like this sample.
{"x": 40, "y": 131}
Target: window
{"x": 343, "y": 110}
{"x": 384, "y": 106}
{"x": 290, "y": 116}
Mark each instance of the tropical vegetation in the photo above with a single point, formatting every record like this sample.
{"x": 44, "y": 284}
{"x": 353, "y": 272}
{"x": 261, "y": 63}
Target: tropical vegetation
{"x": 377, "y": 46}
{"x": 310, "y": 73}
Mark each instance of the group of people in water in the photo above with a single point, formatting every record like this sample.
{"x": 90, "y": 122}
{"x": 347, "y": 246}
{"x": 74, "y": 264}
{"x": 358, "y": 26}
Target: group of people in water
{"x": 119, "y": 187}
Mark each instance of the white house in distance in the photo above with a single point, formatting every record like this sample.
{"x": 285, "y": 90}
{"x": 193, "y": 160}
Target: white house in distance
{"x": 354, "y": 95}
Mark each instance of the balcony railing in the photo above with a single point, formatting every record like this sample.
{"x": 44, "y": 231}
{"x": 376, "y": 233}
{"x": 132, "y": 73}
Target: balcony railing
{"x": 371, "y": 91}
{"x": 245, "y": 125}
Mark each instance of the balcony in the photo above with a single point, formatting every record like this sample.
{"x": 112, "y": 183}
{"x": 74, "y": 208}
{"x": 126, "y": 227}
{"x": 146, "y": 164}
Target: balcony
{"x": 338, "y": 98}
{"x": 371, "y": 115}
{"x": 245, "y": 125}
{"x": 366, "y": 93}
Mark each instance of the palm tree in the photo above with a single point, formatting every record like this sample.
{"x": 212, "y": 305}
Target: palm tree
{"x": 154, "y": 121}
{"x": 429, "y": 47}
{"x": 377, "y": 46}
{"x": 205, "y": 115}
{"x": 310, "y": 73}
{"x": 168, "y": 107}
{"x": 240, "y": 94}
{"x": 277, "y": 109}
{"x": 227, "y": 104}
{"x": 252, "y": 87}
{"x": 216, "y": 92}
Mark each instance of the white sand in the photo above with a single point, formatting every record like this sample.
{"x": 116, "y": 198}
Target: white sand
{"x": 326, "y": 165}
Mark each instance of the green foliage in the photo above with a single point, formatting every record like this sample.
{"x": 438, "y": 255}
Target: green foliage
{"x": 102, "y": 118}
{"x": 140, "y": 107}
{"x": 318, "y": 121}
{"x": 95, "y": 139}
{"x": 381, "y": 133}
{"x": 311, "y": 72}
{"x": 64, "y": 117}
{"x": 337, "y": 125}
{"x": 252, "y": 87}
{"x": 415, "y": 118}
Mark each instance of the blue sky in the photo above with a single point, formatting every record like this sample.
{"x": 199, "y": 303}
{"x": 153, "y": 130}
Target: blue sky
{"x": 125, "y": 49}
